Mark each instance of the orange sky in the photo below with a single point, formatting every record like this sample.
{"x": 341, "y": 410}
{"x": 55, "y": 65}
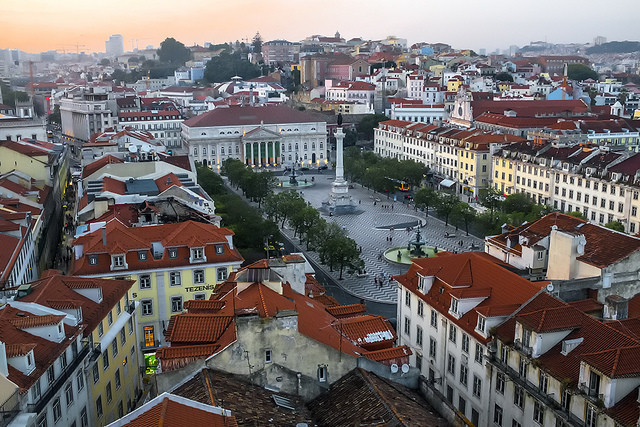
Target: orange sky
{"x": 39, "y": 25}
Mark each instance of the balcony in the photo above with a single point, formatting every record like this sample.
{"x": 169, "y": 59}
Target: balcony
{"x": 59, "y": 382}
{"x": 147, "y": 346}
{"x": 9, "y": 409}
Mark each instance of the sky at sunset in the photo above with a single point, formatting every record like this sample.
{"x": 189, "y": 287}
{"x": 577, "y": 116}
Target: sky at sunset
{"x": 40, "y": 25}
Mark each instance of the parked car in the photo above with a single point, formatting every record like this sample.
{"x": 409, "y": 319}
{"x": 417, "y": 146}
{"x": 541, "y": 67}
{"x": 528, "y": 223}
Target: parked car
{"x": 304, "y": 168}
{"x": 323, "y": 168}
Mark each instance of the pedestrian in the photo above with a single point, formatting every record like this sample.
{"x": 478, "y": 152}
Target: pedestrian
{"x": 375, "y": 280}
{"x": 359, "y": 202}
{"x": 391, "y": 207}
{"x": 380, "y": 283}
{"x": 374, "y": 203}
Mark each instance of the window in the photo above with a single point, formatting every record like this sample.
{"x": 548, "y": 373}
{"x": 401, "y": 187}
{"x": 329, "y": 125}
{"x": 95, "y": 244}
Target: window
{"x": 419, "y": 336}
{"x": 419, "y": 362}
{"x": 543, "y": 382}
{"x": 407, "y": 298}
{"x": 518, "y": 396}
{"x": 57, "y": 411}
{"x": 450, "y": 394}
{"x": 451, "y": 364}
{"x": 96, "y": 373}
{"x": 322, "y": 374}
{"x": 145, "y": 281}
{"x": 117, "y": 378}
{"x": 594, "y": 384}
{"x": 84, "y": 419}
{"x": 99, "y": 406}
{"x": 453, "y": 333}
{"x": 120, "y": 409}
{"x": 434, "y": 319}
{"x": 522, "y": 368}
{"x": 100, "y": 329}
{"x": 114, "y": 347}
{"x": 79, "y": 381}
{"x": 538, "y": 412}
{"x": 479, "y": 353}
{"x": 174, "y": 278}
{"x": 591, "y": 416}
{"x": 514, "y": 423}
{"x": 477, "y": 386}
{"x": 197, "y": 253}
{"x": 173, "y": 253}
{"x": 634, "y": 211}
{"x": 432, "y": 347}
{"x": 497, "y": 415}
{"x": 481, "y": 324}
{"x": 198, "y": 276}
{"x": 566, "y": 399}
{"x": 130, "y": 325}
{"x": 68, "y": 392}
{"x": 407, "y": 326}
{"x": 219, "y": 249}
{"x": 454, "y": 306}
{"x": 500, "y": 380}
{"x": 117, "y": 261}
{"x": 222, "y": 274}
{"x": 93, "y": 259}
{"x": 465, "y": 342}
{"x": 110, "y": 318}
{"x": 108, "y": 392}
{"x": 464, "y": 375}
{"x": 105, "y": 360}
{"x": 176, "y": 304}
{"x": 462, "y": 405}
{"x": 147, "y": 307}
{"x": 199, "y": 296}
{"x": 267, "y": 356}
{"x": 42, "y": 419}
{"x": 142, "y": 255}
{"x": 420, "y": 309}
{"x": 51, "y": 374}
{"x": 123, "y": 337}
{"x": 63, "y": 360}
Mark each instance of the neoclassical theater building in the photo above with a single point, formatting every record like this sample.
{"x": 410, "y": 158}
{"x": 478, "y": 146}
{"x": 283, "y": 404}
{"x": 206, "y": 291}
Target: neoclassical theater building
{"x": 260, "y": 136}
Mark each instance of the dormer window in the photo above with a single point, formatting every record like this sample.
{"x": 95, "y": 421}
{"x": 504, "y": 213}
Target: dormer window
{"x": 93, "y": 259}
{"x": 173, "y": 253}
{"x": 454, "y": 307}
{"x": 117, "y": 262}
{"x": 219, "y": 249}
{"x": 481, "y": 325}
{"x": 594, "y": 384}
{"x": 142, "y": 256}
{"x": 526, "y": 337}
{"x": 197, "y": 254}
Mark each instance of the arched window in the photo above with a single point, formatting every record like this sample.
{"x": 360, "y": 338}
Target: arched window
{"x": 296, "y": 146}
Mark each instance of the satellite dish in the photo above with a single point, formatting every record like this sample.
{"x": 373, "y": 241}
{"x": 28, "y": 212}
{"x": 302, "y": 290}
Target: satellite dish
{"x": 394, "y": 368}
{"x": 550, "y": 287}
{"x": 405, "y": 368}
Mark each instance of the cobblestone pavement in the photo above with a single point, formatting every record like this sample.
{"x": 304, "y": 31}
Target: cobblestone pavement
{"x": 372, "y": 226}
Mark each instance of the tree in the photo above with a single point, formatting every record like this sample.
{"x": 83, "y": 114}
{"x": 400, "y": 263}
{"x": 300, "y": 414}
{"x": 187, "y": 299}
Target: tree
{"x": 105, "y": 61}
{"x": 303, "y": 221}
{"x": 504, "y": 77}
{"x": 517, "y": 202}
{"x": 580, "y": 72}
{"x": 173, "y": 52}
{"x": 445, "y": 205}
{"x": 369, "y": 123}
{"x": 256, "y": 43}
{"x": 350, "y": 137}
{"x": 321, "y": 234}
{"x": 463, "y": 213}
{"x": 55, "y": 116}
{"x": 223, "y": 67}
{"x": 260, "y": 185}
{"x": 425, "y": 198}
{"x": 490, "y": 198}
{"x": 615, "y": 225}
{"x": 343, "y": 253}
{"x": 576, "y": 214}
{"x": 282, "y": 206}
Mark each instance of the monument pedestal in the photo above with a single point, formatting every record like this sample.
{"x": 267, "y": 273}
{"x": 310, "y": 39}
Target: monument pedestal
{"x": 340, "y": 202}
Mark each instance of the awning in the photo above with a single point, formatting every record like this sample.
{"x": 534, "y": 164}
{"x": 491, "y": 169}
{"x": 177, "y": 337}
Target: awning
{"x": 447, "y": 183}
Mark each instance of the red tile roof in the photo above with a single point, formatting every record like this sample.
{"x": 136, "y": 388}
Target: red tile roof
{"x": 168, "y": 410}
{"x": 270, "y": 114}
{"x": 343, "y": 311}
{"x": 93, "y": 167}
{"x": 189, "y": 328}
{"x": 129, "y": 240}
{"x": 471, "y": 271}
{"x": 36, "y": 321}
{"x": 393, "y": 353}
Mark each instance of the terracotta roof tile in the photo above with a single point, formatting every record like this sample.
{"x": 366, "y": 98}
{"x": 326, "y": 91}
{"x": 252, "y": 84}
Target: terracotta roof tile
{"x": 167, "y": 412}
{"x": 392, "y": 353}
{"x": 270, "y": 114}
{"x": 197, "y": 328}
{"x": 14, "y": 350}
{"x": 342, "y": 311}
{"x": 36, "y": 321}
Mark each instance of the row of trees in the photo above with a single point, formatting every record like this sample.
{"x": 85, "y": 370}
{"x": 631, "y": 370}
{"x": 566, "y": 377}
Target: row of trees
{"x": 254, "y": 185}
{"x": 380, "y": 173}
{"x": 334, "y": 247}
{"x": 250, "y": 228}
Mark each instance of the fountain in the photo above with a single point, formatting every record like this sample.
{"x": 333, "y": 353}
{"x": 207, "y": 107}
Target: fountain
{"x": 417, "y": 244}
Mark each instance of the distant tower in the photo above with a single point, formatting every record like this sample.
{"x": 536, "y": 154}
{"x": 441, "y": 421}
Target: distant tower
{"x": 114, "y": 46}
{"x": 338, "y": 34}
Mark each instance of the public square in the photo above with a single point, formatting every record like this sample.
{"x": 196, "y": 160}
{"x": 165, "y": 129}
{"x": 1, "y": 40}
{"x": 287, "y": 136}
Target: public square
{"x": 371, "y": 228}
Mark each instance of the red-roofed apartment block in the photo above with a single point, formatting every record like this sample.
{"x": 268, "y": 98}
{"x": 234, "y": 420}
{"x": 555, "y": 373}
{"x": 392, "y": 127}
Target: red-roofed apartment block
{"x": 261, "y": 323}
{"x": 447, "y": 308}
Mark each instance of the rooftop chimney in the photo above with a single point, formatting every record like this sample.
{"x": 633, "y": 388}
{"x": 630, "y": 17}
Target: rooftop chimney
{"x": 104, "y": 236}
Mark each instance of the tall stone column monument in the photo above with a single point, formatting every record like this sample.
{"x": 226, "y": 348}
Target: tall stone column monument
{"x": 340, "y": 201}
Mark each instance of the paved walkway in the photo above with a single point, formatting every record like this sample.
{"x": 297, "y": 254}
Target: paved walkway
{"x": 372, "y": 227}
